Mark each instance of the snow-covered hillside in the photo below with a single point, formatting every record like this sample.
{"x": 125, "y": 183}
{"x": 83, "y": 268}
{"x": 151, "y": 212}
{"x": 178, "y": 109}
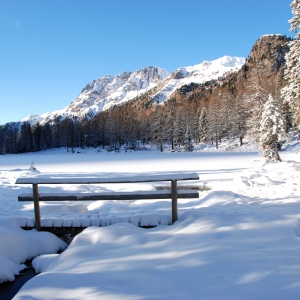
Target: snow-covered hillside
{"x": 200, "y": 73}
{"x": 108, "y": 91}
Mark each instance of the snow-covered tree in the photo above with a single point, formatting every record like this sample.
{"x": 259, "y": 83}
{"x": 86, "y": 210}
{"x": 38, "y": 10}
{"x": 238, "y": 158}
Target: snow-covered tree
{"x": 272, "y": 129}
{"x": 291, "y": 92}
{"x": 295, "y": 21}
{"x": 226, "y": 117}
{"x": 180, "y": 127}
{"x": 145, "y": 128}
{"x": 188, "y": 143}
{"x": 203, "y": 125}
{"x": 214, "y": 123}
{"x": 257, "y": 101}
{"x": 158, "y": 135}
{"x": 239, "y": 117}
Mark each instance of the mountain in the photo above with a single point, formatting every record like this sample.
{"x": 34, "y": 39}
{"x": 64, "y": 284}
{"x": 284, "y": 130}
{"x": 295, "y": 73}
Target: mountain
{"x": 151, "y": 106}
{"x": 206, "y": 71}
{"x": 107, "y": 91}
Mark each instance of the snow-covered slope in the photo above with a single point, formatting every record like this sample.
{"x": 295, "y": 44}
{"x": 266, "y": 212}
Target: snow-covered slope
{"x": 105, "y": 92}
{"x": 108, "y": 91}
{"x": 200, "y": 73}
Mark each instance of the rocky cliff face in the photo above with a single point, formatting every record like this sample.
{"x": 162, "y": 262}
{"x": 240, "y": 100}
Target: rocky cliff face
{"x": 108, "y": 91}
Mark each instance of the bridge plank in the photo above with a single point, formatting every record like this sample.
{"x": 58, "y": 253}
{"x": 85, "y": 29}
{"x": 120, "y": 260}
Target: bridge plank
{"x": 142, "y": 195}
{"x": 95, "y": 180}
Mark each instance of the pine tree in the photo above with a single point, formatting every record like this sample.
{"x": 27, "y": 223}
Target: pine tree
{"x": 180, "y": 127}
{"x": 188, "y": 144}
{"x": 37, "y": 137}
{"x": 226, "y": 118}
{"x": 295, "y": 21}
{"x": 25, "y": 142}
{"x": 1, "y": 140}
{"x": 170, "y": 125}
{"x": 11, "y": 140}
{"x": 158, "y": 135}
{"x": 144, "y": 132}
{"x": 291, "y": 92}
{"x": 203, "y": 125}
{"x": 46, "y": 137}
{"x": 214, "y": 124}
{"x": 239, "y": 117}
{"x": 272, "y": 129}
{"x": 258, "y": 100}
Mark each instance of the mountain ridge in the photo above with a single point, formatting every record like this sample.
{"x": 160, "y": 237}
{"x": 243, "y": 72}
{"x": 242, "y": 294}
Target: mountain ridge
{"x": 232, "y": 104}
{"x": 107, "y": 91}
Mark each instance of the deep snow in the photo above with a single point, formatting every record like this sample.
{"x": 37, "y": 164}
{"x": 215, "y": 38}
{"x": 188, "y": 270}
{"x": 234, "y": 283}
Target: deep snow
{"x": 239, "y": 240}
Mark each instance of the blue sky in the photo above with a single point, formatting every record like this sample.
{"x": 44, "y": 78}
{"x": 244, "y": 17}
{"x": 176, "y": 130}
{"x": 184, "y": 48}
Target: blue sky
{"x": 50, "y": 50}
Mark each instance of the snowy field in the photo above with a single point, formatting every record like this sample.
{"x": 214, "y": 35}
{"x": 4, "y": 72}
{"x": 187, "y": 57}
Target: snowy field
{"x": 239, "y": 240}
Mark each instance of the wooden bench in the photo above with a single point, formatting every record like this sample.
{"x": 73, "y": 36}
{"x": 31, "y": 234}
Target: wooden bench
{"x": 173, "y": 193}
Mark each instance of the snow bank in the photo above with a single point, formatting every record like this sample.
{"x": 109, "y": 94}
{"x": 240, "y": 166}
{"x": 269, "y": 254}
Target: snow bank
{"x": 202, "y": 256}
{"x": 18, "y": 245}
{"x": 239, "y": 240}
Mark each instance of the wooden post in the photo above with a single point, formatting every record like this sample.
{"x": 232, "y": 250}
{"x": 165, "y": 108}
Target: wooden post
{"x": 36, "y": 202}
{"x": 174, "y": 201}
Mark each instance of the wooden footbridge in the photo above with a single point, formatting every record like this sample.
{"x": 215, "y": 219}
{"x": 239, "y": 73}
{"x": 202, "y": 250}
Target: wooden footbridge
{"x": 36, "y": 196}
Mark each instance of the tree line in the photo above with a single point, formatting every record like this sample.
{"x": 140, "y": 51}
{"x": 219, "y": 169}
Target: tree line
{"x": 181, "y": 125}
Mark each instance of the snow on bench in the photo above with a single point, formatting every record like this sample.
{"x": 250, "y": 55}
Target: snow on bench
{"x": 89, "y": 180}
{"x": 138, "y": 195}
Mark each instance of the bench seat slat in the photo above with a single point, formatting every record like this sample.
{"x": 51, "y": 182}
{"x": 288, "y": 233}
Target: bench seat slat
{"x": 95, "y": 180}
{"x": 142, "y": 195}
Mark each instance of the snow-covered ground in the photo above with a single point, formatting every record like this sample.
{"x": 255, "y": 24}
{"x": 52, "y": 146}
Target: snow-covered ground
{"x": 239, "y": 240}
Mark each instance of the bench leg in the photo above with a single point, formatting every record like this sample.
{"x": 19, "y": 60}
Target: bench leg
{"x": 174, "y": 201}
{"x": 36, "y": 202}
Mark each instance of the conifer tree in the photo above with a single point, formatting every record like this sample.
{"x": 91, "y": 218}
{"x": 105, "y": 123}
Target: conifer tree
{"x": 258, "y": 100}
{"x": 37, "y": 137}
{"x": 203, "y": 125}
{"x": 214, "y": 124}
{"x": 170, "y": 125}
{"x": 25, "y": 141}
{"x": 226, "y": 117}
{"x": 144, "y": 132}
{"x": 272, "y": 129}
{"x": 291, "y": 92}
{"x": 180, "y": 127}
{"x": 158, "y": 135}
{"x": 1, "y": 140}
{"x": 46, "y": 137}
{"x": 239, "y": 117}
{"x": 188, "y": 144}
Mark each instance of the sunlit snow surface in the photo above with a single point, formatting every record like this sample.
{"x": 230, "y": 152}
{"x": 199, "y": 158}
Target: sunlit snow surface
{"x": 239, "y": 240}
